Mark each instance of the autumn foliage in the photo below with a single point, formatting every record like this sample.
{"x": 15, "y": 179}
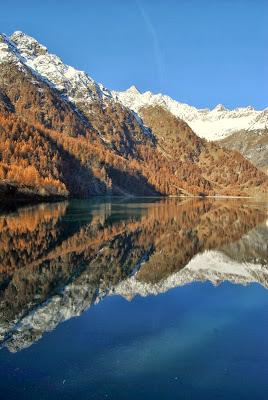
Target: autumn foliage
{"x": 54, "y": 149}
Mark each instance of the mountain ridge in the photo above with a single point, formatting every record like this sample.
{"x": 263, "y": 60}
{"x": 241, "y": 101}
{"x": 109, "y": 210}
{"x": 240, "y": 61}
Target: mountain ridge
{"x": 211, "y": 124}
{"x": 100, "y": 146}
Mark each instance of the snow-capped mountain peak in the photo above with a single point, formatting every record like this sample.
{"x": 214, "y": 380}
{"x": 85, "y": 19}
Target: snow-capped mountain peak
{"x": 133, "y": 89}
{"x": 28, "y": 46}
{"x": 77, "y": 86}
{"x": 74, "y": 84}
{"x": 8, "y": 50}
{"x": 214, "y": 124}
{"x": 220, "y": 107}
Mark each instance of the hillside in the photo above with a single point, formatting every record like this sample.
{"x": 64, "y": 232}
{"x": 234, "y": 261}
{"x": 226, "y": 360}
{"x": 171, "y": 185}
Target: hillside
{"x": 227, "y": 172}
{"x": 63, "y": 134}
{"x": 243, "y": 129}
{"x": 214, "y": 124}
{"x": 253, "y": 145}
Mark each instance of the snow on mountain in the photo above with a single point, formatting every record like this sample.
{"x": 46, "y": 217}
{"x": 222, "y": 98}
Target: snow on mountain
{"x": 74, "y": 84}
{"x": 8, "y": 51}
{"x": 77, "y": 86}
{"x": 214, "y": 124}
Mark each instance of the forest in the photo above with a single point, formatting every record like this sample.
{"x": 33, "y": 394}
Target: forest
{"x": 50, "y": 148}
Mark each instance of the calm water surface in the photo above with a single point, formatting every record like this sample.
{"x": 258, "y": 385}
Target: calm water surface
{"x": 141, "y": 299}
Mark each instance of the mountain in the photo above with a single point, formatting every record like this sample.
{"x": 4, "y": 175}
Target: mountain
{"x": 242, "y": 129}
{"x": 63, "y": 134}
{"x": 70, "y": 153}
{"x": 57, "y": 260}
{"x": 214, "y": 124}
{"x": 253, "y": 144}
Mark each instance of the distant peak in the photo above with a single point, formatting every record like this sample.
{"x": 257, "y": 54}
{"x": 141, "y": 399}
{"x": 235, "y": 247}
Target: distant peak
{"x": 133, "y": 89}
{"x": 27, "y": 45}
{"x": 220, "y": 107}
{"x": 18, "y": 33}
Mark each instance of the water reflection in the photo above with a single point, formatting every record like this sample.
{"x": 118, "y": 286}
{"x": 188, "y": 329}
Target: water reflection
{"x": 57, "y": 260}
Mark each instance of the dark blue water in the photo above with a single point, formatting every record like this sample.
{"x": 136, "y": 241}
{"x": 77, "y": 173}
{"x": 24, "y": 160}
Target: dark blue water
{"x": 196, "y": 341}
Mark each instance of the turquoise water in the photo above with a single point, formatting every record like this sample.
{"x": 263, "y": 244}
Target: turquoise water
{"x": 71, "y": 328}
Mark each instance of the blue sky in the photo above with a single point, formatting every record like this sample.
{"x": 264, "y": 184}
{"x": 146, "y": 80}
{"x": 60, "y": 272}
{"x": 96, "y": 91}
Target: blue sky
{"x": 201, "y": 52}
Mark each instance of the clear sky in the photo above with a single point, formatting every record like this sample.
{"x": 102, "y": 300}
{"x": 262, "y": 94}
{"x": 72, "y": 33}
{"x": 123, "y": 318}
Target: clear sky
{"x": 201, "y": 52}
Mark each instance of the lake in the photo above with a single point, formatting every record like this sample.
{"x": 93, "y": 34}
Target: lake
{"x": 134, "y": 299}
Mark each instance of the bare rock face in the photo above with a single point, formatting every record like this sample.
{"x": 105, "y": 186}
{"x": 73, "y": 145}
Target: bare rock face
{"x": 252, "y": 144}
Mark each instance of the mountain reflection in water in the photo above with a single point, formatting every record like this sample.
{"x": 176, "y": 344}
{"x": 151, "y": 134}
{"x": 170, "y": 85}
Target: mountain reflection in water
{"x": 58, "y": 259}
